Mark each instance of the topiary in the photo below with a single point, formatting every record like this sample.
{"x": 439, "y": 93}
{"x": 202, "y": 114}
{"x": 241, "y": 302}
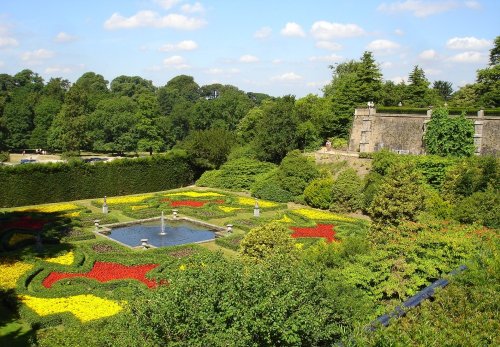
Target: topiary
{"x": 262, "y": 242}
{"x": 318, "y": 193}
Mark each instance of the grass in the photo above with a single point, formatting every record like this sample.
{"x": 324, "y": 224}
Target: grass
{"x": 13, "y": 331}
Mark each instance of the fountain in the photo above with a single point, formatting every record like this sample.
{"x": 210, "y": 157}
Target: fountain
{"x": 162, "y": 230}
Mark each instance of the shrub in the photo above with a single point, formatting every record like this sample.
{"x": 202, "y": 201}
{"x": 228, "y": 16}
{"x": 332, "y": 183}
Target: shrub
{"x": 267, "y": 186}
{"x": 237, "y": 174}
{"x": 295, "y": 172}
{"x": 480, "y": 207}
{"x": 318, "y": 193}
{"x": 347, "y": 192}
{"x": 4, "y": 156}
{"x": 400, "y": 197}
{"x": 262, "y": 242}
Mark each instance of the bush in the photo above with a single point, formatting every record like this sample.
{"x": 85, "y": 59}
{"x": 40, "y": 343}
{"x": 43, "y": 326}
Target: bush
{"x": 4, "y": 156}
{"x": 295, "y": 172}
{"x": 42, "y": 183}
{"x": 267, "y": 240}
{"x": 267, "y": 187}
{"x": 481, "y": 207}
{"x": 318, "y": 193}
{"x": 237, "y": 174}
{"x": 347, "y": 193}
{"x": 230, "y": 242}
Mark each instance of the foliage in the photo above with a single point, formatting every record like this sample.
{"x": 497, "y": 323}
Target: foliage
{"x": 347, "y": 195}
{"x": 318, "y": 193}
{"x": 208, "y": 148}
{"x": 449, "y": 136}
{"x": 480, "y": 207}
{"x": 238, "y": 174}
{"x": 464, "y": 313}
{"x": 4, "y": 156}
{"x": 400, "y": 197}
{"x": 276, "y": 130}
{"x": 265, "y": 241}
{"x": 295, "y": 172}
{"x": 267, "y": 186}
{"x": 444, "y": 89}
{"x": 231, "y": 242}
{"x": 41, "y": 183}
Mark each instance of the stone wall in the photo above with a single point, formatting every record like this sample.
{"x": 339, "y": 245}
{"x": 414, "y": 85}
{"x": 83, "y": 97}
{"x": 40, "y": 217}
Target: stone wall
{"x": 403, "y": 133}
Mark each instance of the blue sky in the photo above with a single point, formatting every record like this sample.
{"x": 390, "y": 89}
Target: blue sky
{"x": 274, "y": 47}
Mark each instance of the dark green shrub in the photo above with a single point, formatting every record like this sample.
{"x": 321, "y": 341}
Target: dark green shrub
{"x": 4, "y": 156}
{"x": 318, "y": 193}
{"x": 267, "y": 187}
{"x": 296, "y": 171}
{"x": 347, "y": 193}
{"x": 42, "y": 183}
{"x": 481, "y": 207}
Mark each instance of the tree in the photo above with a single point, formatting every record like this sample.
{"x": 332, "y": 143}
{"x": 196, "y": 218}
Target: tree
{"x": 495, "y": 52}
{"x": 265, "y": 241}
{"x": 443, "y": 88}
{"x": 295, "y": 172}
{"x": 449, "y": 136}
{"x": 208, "y": 148}
{"x": 18, "y": 118}
{"x": 276, "y": 130}
{"x": 417, "y": 92}
{"x": 392, "y": 94}
{"x": 178, "y": 89}
{"x": 400, "y": 197}
{"x": 465, "y": 97}
{"x": 131, "y": 86}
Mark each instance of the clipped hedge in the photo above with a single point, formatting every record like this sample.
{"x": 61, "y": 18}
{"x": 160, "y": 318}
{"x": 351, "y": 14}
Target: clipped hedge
{"x": 42, "y": 183}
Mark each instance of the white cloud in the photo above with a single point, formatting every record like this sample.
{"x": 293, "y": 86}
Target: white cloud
{"x": 331, "y": 46}
{"x": 475, "y": 5}
{"x": 326, "y": 58}
{"x": 398, "y": 79}
{"x": 468, "y": 43}
{"x": 186, "y": 45}
{"x": 36, "y": 57}
{"x": 432, "y": 72}
{"x": 263, "y": 33}
{"x": 194, "y": 8}
{"x": 468, "y": 57}
{"x": 247, "y": 58}
{"x": 317, "y": 84}
{"x": 386, "y": 64}
{"x": 287, "y": 77}
{"x": 324, "y": 30}
{"x": 6, "y": 39}
{"x": 292, "y": 29}
{"x": 60, "y": 69}
{"x": 176, "y": 62}
{"x": 428, "y": 54}
{"x": 153, "y": 19}
{"x": 399, "y": 32}
{"x": 63, "y": 37}
{"x": 167, "y": 4}
{"x": 419, "y": 8}
{"x": 382, "y": 46}
{"x": 218, "y": 71}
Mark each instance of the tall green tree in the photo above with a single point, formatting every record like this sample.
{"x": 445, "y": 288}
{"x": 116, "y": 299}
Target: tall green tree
{"x": 131, "y": 86}
{"x": 418, "y": 93}
{"x": 488, "y": 79}
{"x": 178, "y": 89}
{"x": 443, "y": 88}
{"x": 276, "y": 130}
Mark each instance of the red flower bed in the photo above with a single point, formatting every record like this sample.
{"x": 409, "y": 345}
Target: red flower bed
{"x": 321, "y": 230}
{"x": 24, "y": 222}
{"x": 104, "y": 272}
{"x": 191, "y": 203}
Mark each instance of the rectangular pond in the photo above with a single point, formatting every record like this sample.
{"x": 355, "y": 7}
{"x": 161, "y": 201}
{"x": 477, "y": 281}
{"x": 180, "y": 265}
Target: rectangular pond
{"x": 177, "y": 233}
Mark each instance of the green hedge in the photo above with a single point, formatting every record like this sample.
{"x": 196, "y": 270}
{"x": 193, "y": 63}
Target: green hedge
{"x": 414, "y": 110}
{"x": 43, "y": 183}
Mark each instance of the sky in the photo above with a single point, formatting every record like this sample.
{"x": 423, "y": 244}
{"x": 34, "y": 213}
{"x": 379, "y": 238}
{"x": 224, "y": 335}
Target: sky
{"x": 274, "y": 47}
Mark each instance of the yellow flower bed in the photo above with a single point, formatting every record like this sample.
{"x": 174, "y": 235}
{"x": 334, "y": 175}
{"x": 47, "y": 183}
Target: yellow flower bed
{"x": 72, "y": 214}
{"x": 138, "y": 207}
{"x": 65, "y": 259}
{"x": 11, "y": 273}
{"x": 192, "y": 194}
{"x": 251, "y": 201}
{"x": 85, "y": 307}
{"x": 127, "y": 199}
{"x": 228, "y": 209}
{"x": 285, "y": 219}
{"x": 321, "y": 215}
{"x": 52, "y": 208}
{"x": 16, "y": 238}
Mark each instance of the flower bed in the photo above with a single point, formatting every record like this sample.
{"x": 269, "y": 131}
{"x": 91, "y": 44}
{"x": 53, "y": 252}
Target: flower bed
{"x": 193, "y": 194}
{"x": 321, "y": 215}
{"x": 17, "y": 238}
{"x": 104, "y": 272}
{"x": 118, "y": 200}
{"x": 25, "y": 223}
{"x": 65, "y": 259}
{"x": 321, "y": 230}
{"x": 52, "y": 208}
{"x": 251, "y": 202}
{"x": 191, "y": 203}
{"x": 11, "y": 273}
{"x": 85, "y": 307}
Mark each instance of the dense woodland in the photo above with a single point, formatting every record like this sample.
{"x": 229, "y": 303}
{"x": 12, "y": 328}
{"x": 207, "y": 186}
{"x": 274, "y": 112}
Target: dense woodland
{"x": 131, "y": 114}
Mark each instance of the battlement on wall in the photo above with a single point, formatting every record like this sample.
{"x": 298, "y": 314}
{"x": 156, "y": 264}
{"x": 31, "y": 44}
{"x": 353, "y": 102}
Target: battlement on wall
{"x": 403, "y": 133}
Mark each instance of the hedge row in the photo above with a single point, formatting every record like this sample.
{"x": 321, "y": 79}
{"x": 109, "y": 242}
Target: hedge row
{"x": 43, "y": 183}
